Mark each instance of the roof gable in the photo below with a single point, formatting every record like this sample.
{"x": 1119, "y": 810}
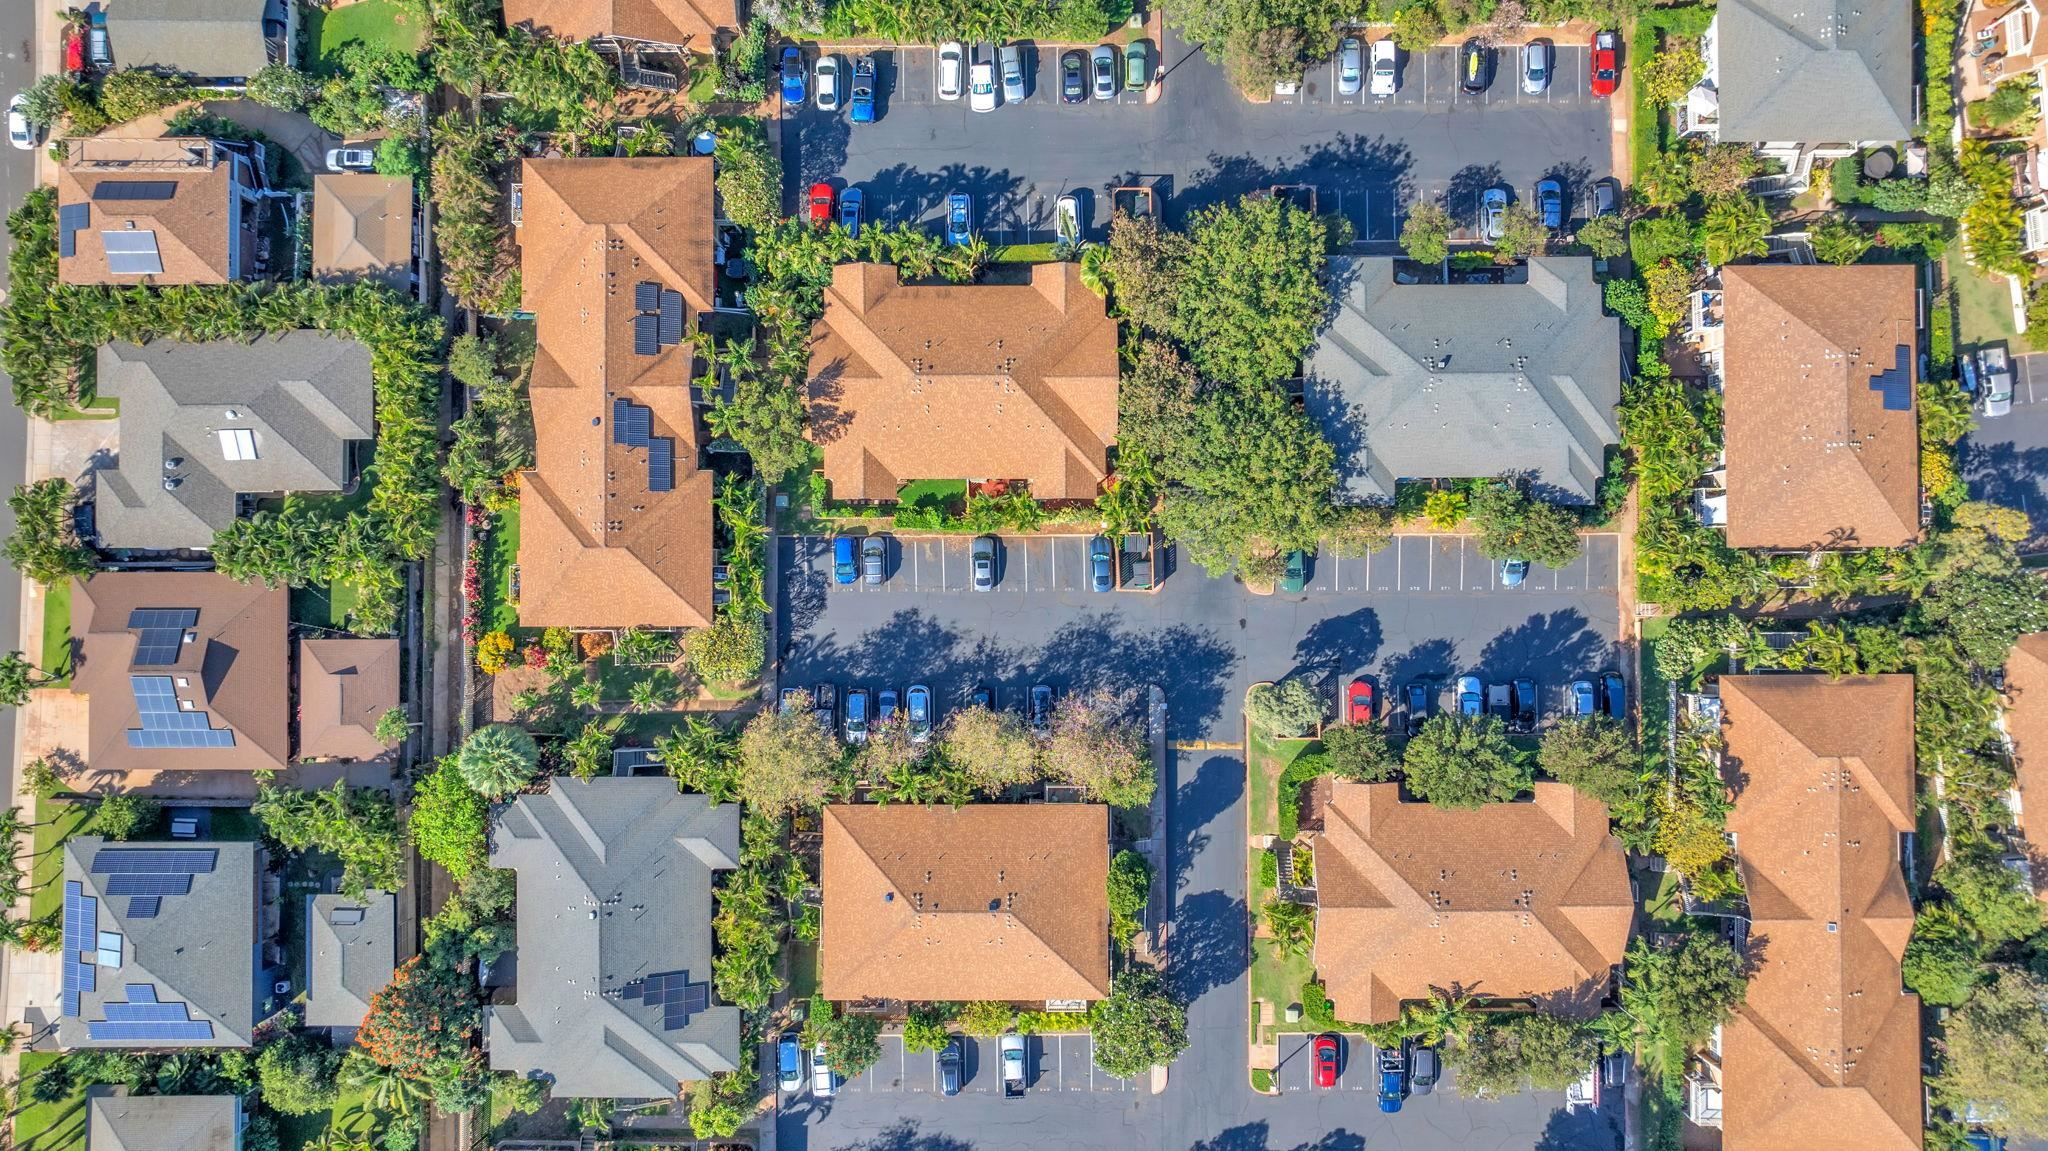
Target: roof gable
{"x": 656, "y": 21}
{"x": 362, "y": 227}
{"x": 353, "y": 951}
{"x": 2026, "y": 726}
{"x": 1834, "y": 72}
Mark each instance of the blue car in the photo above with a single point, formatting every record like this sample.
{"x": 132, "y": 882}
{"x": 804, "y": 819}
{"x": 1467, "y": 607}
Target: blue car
{"x": 1393, "y": 1079}
{"x": 1101, "y": 564}
{"x": 1582, "y": 698}
{"x": 849, "y": 212}
{"x": 792, "y": 77}
{"x": 789, "y": 1064}
{"x": 959, "y": 218}
{"x": 1469, "y": 701}
{"x": 863, "y": 100}
{"x": 844, "y": 567}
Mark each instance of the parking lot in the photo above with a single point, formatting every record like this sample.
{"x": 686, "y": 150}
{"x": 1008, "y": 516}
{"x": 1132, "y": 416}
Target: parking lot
{"x": 1202, "y": 143}
{"x": 2005, "y": 460}
{"x": 1053, "y": 1064}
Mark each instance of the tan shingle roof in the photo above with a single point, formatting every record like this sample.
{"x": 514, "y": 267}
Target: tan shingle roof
{"x": 1512, "y": 900}
{"x": 1814, "y": 459}
{"x": 597, "y": 548}
{"x": 1825, "y": 1052}
{"x": 658, "y": 21}
{"x": 978, "y": 381}
{"x": 2026, "y": 724}
{"x": 345, "y": 687}
{"x": 989, "y": 901}
{"x": 362, "y": 227}
{"x": 194, "y": 225}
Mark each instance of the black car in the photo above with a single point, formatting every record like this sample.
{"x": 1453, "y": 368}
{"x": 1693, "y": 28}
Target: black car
{"x": 1074, "y": 77}
{"x": 1525, "y": 706}
{"x": 1418, "y": 706}
{"x": 984, "y": 696}
{"x": 1614, "y": 696}
{"x": 1041, "y": 707}
{"x": 1475, "y": 66}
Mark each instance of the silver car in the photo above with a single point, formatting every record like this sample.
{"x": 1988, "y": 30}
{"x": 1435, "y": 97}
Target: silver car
{"x": 982, "y": 560}
{"x": 1012, "y": 69}
{"x": 1102, "y": 65}
{"x": 1536, "y": 67}
{"x": 1493, "y": 210}
{"x": 1350, "y": 66}
{"x": 1996, "y": 371}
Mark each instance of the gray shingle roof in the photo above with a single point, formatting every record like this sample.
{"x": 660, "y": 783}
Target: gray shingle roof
{"x": 614, "y": 886}
{"x": 303, "y": 396}
{"x": 198, "y": 948}
{"x": 1815, "y": 71}
{"x": 122, "y": 1122}
{"x": 351, "y": 947}
{"x": 1426, "y": 381}
{"x": 210, "y": 39}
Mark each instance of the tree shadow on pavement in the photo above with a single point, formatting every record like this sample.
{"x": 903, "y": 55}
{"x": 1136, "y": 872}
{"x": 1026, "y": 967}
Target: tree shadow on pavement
{"x": 1207, "y": 948}
{"x": 1339, "y": 644}
{"x": 1561, "y": 645}
{"x": 1256, "y": 1137}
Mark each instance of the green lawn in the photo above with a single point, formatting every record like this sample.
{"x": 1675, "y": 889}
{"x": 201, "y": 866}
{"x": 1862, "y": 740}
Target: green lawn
{"x": 324, "y": 606}
{"x": 1983, "y": 303}
{"x": 1275, "y": 979}
{"x": 58, "y": 1126}
{"x": 947, "y": 495}
{"x": 1654, "y": 688}
{"x": 501, "y": 554}
{"x": 1021, "y": 254}
{"x": 56, "y": 659}
{"x": 803, "y": 969}
{"x": 96, "y": 408}
{"x": 371, "y": 21}
{"x": 1662, "y": 907}
{"x": 56, "y": 821}
{"x": 351, "y": 1113}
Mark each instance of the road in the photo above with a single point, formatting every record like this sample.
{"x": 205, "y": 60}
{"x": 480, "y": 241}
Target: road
{"x": 17, "y": 177}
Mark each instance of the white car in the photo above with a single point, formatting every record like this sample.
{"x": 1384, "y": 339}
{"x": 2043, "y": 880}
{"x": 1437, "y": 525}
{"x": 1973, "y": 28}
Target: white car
{"x": 351, "y": 160}
{"x": 1535, "y": 67}
{"x": 20, "y": 132}
{"x": 952, "y": 62}
{"x": 1012, "y": 57}
{"x": 827, "y": 80}
{"x": 1067, "y": 217}
{"x": 981, "y": 87}
{"x": 824, "y": 1084}
{"x": 1350, "y": 66}
{"x": 1493, "y": 211}
{"x": 1384, "y": 77}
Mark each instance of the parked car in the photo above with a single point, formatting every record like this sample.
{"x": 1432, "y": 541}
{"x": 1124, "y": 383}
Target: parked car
{"x": 1536, "y": 67}
{"x": 1074, "y": 77}
{"x": 1525, "y": 705}
{"x": 821, "y": 204}
{"x": 1067, "y": 218}
{"x": 849, "y": 211}
{"x": 1137, "y": 66}
{"x": 1468, "y": 695}
{"x": 1513, "y": 572}
{"x": 1582, "y": 698}
{"x": 1493, "y": 212}
{"x": 981, "y": 86}
{"x": 1294, "y": 577}
{"x": 1550, "y": 202}
{"x": 981, "y": 556}
{"x": 1475, "y": 66}
{"x": 1350, "y": 66}
{"x": 952, "y": 69}
{"x": 1498, "y": 704}
{"x": 1101, "y": 564}
{"x": 786, "y": 699}
{"x": 918, "y": 712}
{"x": 792, "y": 76}
{"x": 949, "y": 1067}
{"x": 1326, "y": 1060}
{"x": 1010, "y": 1049}
{"x": 20, "y": 132}
{"x": 843, "y": 568}
{"x": 1614, "y": 1070}
{"x": 862, "y": 105}
{"x": 959, "y": 218}
{"x": 1041, "y": 707}
{"x": 1423, "y": 1070}
{"x": 824, "y": 1084}
{"x": 1995, "y": 370}
{"x": 1393, "y": 1078}
{"x": 1102, "y": 65}
{"x": 789, "y": 1064}
{"x": 826, "y": 77}
{"x": 1606, "y": 198}
{"x": 825, "y": 707}
{"x": 1418, "y": 705}
{"x": 349, "y": 159}
{"x": 1585, "y": 1093}
{"x": 982, "y": 696}
{"x": 1614, "y": 696}
{"x": 1359, "y": 702}
{"x": 1605, "y": 62}
{"x": 1011, "y": 59}
{"x": 857, "y": 715}
{"x": 887, "y": 704}
{"x": 1386, "y": 76}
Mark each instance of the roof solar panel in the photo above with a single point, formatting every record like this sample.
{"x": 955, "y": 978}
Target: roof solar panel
{"x": 165, "y": 724}
{"x": 633, "y": 421}
{"x": 81, "y": 914}
{"x": 131, "y": 884}
{"x": 178, "y": 617}
{"x": 190, "y": 1031}
{"x": 661, "y": 465}
{"x": 132, "y": 253}
{"x": 135, "y": 189}
{"x": 70, "y": 218}
{"x": 696, "y": 997}
{"x": 1895, "y": 384}
{"x": 144, "y": 907}
{"x": 619, "y": 409}
{"x": 159, "y": 646}
{"x": 168, "y": 860}
{"x": 646, "y": 329}
{"x": 646, "y": 296}
{"x": 643, "y": 424}
{"x": 671, "y": 318}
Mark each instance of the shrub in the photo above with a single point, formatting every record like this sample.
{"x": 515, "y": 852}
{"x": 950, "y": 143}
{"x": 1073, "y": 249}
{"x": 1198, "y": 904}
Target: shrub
{"x": 1445, "y": 509}
{"x": 1464, "y": 761}
{"x": 123, "y": 816}
{"x": 985, "y": 1019}
{"x": 925, "y": 1027}
{"x": 1942, "y": 960}
{"x": 1360, "y": 752}
{"x": 297, "y": 1073}
{"x": 1289, "y": 709}
{"x": 494, "y": 653}
{"x": 400, "y": 157}
{"x": 283, "y": 87}
{"x": 1130, "y": 887}
{"x": 132, "y": 93}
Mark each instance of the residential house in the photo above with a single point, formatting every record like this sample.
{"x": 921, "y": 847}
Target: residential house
{"x": 119, "y": 1121}
{"x": 616, "y": 515}
{"x": 666, "y": 23}
{"x": 1450, "y": 381}
{"x": 1517, "y": 901}
{"x": 1824, "y": 1052}
{"x": 1819, "y": 369}
{"x": 206, "y": 427}
{"x": 363, "y": 229}
{"x": 2002, "y": 43}
{"x": 184, "y": 673}
{"x": 996, "y": 901}
{"x": 613, "y": 998}
{"x": 1808, "y": 78}
{"x": 217, "y": 43}
{"x": 990, "y": 382}
{"x": 180, "y": 210}
{"x": 345, "y": 687}
{"x": 2026, "y": 731}
{"x": 351, "y": 950}
{"x": 160, "y": 944}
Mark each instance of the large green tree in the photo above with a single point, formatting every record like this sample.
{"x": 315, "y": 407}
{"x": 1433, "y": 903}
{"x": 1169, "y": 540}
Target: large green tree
{"x": 1997, "y": 1055}
{"x": 765, "y": 415}
{"x": 991, "y": 747}
{"x": 1736, "y": 227}
{"x": 449, "y": 820}
{"x": 1251, "y": 295}
{"x": 1507, "y": 1054}
{"x": 356, "y": 825}
{"x": 1248, "y": 475}
{"x": 498, "y": 760}
{"x": 1426, "y": 234}
{"x": 297, "y": 1073}
{"x": 1097, "y": 742}
{"x": 1513, "y": 525}
{"x": 1984, "y": 613}
{"x": 1943, "y": 961}
{"x": 1140, "y": 1025}
{"x": 1991, "y": 896}
{"x": 787, "y": 761}
{"x": 422, "y": 1019}
{"x": 1464, "y": 761}
{"x": 43, "y": 546}
{"x": 1593, "y": 754}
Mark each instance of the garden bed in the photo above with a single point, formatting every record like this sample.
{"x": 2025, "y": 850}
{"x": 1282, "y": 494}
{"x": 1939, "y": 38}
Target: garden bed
{"x": 1275, "y": 979}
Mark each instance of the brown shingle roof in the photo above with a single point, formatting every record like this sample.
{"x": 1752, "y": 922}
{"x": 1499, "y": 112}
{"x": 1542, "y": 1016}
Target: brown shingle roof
{"x": 1825, "y": 1052}
{"x": 988, "y": 901}
{"x": 597, "y": 547}
{"x": 233, "y": 669}
{"x": 195, "y": 224}
{"x": 975, "y": 381}
{"x": 1814, "y": 458}
{"x": 1511, "y": 900}
{"x": 345, "y": 687}
{"x": 362, "y": 227}
{"x": 2026, "y": 725}
{"x": 657, "y": 21}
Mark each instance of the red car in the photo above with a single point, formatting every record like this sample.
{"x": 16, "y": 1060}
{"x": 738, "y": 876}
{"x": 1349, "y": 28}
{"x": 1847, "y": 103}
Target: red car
{"x": 821, "y": 204}
{"x": 1606, "y": 62}
{"x": 1326, "y": 1060}
{"x": 1358, "y": 702}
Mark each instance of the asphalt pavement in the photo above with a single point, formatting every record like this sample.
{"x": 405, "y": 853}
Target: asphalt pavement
{"x": 2005, "y": 460}
{"x": 17, "y": 178}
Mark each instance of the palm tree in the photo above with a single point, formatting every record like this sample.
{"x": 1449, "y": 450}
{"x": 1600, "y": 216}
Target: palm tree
{"x": 386, "y": 1088}
{"x": 1293, "y": 926}
{"x": 1445, "y": 1014}
{"x": 498, "y": 760}
{"x": 1736, "y": 227}
{"x": 1095, "y": 269}
{"x": 1829, "y": 649}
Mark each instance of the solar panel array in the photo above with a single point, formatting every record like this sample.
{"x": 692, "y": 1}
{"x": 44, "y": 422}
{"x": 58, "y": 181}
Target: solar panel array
{"x": 165, "y": 724}
{"x": 135, "y": 189}
{"x": 1895, "y": 383}
{"x": 671, "y": 317}
{"x": 646, "y": 296}
{"x": 154, "y": 861}
{"x": 163, "y": 634}
{"x": 659, "y": 323}
{"x": 633, "y": 426}
{"x": 661, "y": 465}
{"x": 132, "y": 253}
{"x": 677, "y": 997}
{"x": 81, "y": 944}
{"x": 146, "y": 1019}
{"x": 144, "y": 907}
{"x": 646, "y": 334}
{"x": 71, "y": 218}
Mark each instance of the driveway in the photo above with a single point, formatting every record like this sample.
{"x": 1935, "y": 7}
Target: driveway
{"x": 2006, "y": 460}
{"x": 1202, "y": 143}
